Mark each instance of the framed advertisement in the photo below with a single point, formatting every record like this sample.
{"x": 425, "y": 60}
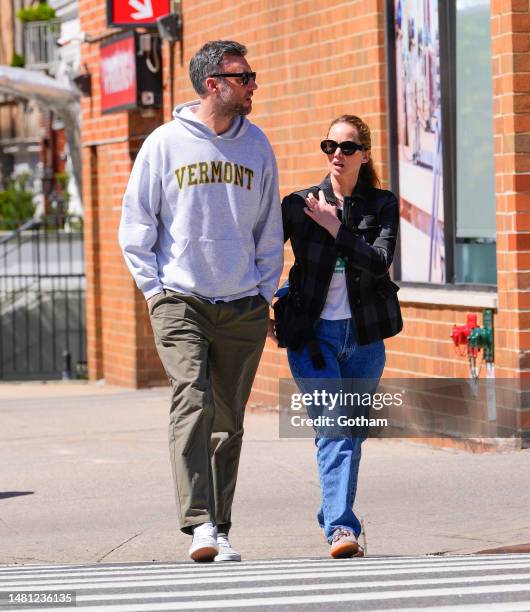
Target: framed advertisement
{"x": 421, "y": 122}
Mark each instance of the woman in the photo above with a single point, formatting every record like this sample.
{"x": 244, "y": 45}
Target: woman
{"x": 340, "y": 305}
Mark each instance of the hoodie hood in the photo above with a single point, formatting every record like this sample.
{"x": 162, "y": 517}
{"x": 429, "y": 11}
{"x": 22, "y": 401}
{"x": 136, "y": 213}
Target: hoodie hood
{"x": 183, "y": 114}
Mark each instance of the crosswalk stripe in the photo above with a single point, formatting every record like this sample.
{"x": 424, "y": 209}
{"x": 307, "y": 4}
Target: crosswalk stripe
{"x": 507, "y": 606}
{"x": 245, "y": 566}
{"x": 442, "y": 559}
{"x": 427, "y": 584}
{"x": 303, "y": 599}
{"x": 247, "y": 577}
{"x": 297, "y": 587}
{"x": 189, "y": 569}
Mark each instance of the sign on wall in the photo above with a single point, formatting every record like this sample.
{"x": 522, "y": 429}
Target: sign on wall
{"x": 135, "y": 13}
{"x": 118, "y": 73}
{"x": 131, "y": 72}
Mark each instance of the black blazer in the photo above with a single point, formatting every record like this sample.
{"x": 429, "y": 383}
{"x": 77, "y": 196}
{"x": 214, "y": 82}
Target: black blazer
{"x": 366, "y": 241}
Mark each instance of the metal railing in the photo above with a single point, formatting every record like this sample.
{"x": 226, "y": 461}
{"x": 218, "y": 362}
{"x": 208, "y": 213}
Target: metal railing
{"x": 40, "y": 44}
{"x": 42, "y": 301}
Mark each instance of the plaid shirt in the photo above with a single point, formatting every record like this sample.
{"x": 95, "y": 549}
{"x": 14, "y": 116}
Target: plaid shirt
{"x": 366, "y": 241}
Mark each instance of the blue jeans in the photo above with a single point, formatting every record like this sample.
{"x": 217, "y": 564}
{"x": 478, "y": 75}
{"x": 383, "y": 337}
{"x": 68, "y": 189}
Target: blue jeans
{"x": 338, "y": 458}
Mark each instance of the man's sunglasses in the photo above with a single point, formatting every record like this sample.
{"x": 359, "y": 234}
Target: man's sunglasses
{"x": 348, "y": 147}
{"x": 244, "y": 76}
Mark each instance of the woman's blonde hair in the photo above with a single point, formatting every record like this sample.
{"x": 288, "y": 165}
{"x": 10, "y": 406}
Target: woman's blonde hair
{"x": 367, "y": 174}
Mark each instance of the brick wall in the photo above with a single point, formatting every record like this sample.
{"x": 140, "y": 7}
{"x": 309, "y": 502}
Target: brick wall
{"x": 119, "y": 344}
{"x": 301, "y": 89}
{"x": 424, "y": 347}
{"x": 315, "y": 59}
{"x": 511, "y": 89}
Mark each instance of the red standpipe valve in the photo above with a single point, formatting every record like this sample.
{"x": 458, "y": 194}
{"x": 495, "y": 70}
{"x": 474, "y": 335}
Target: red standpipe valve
{"x": 460, "y": 334}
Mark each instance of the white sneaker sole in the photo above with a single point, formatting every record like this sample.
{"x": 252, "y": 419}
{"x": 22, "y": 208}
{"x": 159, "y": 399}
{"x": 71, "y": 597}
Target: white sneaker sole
{"x": 227, "y": 556}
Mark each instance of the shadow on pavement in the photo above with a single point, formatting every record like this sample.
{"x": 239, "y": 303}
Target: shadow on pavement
{"x": 6, "y": 494}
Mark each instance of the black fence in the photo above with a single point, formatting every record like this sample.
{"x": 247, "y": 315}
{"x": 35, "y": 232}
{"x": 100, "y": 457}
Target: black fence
{"x": 42, "y": 300}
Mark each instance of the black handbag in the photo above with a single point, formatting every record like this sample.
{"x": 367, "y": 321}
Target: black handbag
{"x": 293, "y": 327}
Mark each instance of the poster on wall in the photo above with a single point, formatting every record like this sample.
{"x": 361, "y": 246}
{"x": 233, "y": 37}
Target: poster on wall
{"x": 419, "y": 137}
{"x": 118, "y": 73}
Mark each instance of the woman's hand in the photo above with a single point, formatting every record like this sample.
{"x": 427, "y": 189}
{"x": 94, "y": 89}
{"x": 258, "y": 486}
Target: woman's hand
{"x": 270, "y": 332}
{"x": 323, "y": 213}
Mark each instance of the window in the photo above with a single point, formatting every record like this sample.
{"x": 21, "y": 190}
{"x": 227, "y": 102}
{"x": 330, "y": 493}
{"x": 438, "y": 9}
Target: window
{"x": 441, "y": 140}
{"x": 475, "y": 183}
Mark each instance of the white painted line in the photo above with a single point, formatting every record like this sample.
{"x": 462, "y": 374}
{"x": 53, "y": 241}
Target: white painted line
{"x": 508, "y": 606}
{"x": 303, "y": 599}
{"x": 230, "y": 571}
{"x": 241, "y": 568}
{"x": 297, "y": 587}
{"x": 303, "y": 561}
{"x": 218, "y": 568}
{"x": 231, "y": 578}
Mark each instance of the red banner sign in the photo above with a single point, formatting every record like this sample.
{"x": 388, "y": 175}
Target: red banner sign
{"x": 136, "y": 12}
{"x": 118, "y": 74}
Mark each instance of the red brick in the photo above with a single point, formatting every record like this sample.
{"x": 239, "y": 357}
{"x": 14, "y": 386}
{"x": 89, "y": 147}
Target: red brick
{"x": 315, "y": 60}
{"x": 518, "y": 242}
{"x": 522, "y": 182}
{"x": 521, "y": 22}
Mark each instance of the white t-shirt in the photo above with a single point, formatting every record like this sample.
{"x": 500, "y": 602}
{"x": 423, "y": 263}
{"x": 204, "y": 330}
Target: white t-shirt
{"x": 337, "y": 306}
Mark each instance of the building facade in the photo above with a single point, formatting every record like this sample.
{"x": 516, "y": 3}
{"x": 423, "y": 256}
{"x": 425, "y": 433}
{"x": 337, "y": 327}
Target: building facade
{"x": 32, "y": 139}
{"x": 445, "y": 87}
{"x": 20, "y": 121}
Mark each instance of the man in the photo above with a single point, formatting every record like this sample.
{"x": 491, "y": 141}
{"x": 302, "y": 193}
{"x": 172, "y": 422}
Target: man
{"x": 201, "y": 233}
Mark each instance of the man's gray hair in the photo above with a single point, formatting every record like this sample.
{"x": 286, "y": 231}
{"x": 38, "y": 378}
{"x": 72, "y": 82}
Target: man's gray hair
{"x": 208, "y": 60}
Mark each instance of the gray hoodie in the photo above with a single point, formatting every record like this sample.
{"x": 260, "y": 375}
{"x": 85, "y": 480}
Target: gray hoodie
{"x": 201, "y": 214}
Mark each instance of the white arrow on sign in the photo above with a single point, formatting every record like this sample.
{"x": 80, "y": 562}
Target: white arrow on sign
{"x": 144, "y": 9}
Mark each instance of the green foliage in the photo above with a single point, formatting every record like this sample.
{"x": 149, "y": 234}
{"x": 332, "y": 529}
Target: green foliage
{"x": 62, "y": 178}
{"x": 60, "y": 196}
{"x": 75, "y": 223}
{"x": 17, "y": 61}
{"x": 41, "y": 11}
{"x": 16, "y": 203}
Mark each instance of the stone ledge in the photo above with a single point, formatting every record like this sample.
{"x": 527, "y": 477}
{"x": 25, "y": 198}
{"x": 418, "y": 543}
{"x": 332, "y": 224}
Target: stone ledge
{"x": 448, "y": 297}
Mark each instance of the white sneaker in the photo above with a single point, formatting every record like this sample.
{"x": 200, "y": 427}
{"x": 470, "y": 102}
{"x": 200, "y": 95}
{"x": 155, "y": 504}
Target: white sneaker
{"x": 204, "y": 544}
{"x": 226, "y": 552}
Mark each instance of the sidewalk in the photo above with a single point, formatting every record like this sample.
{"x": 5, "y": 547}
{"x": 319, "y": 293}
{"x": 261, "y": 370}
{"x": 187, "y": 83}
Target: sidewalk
{"x": 86, "y": 478}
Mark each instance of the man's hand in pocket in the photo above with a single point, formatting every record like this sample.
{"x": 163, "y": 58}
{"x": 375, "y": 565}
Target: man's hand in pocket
{"x": 150, "y": 300}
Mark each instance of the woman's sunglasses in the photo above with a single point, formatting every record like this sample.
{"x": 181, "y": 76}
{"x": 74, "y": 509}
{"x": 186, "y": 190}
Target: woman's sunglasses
{"x": 348, "y": 147}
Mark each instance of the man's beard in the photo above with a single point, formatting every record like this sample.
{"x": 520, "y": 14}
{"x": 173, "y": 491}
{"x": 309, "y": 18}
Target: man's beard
{"x": 234, "y": 109}
{"x": 239, "y": 109}
{"x": 231, "y": 109}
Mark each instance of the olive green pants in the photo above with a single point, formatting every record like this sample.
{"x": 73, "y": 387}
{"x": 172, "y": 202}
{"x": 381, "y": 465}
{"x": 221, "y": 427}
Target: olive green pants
{"x": 210, "y": 353}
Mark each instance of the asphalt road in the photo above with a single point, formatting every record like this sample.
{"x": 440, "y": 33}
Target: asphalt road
{"x": 85, "y": 479}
